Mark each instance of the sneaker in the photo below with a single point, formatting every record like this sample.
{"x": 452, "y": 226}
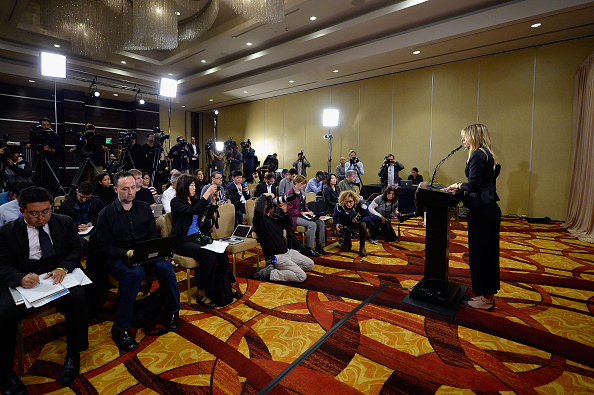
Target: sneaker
{"x": 373, "y": 241}
{"x": 263, "y": 274}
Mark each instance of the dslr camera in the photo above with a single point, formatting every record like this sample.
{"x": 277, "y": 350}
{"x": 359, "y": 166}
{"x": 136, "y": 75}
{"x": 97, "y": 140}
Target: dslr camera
{"x": 280, "y": 200}
{"x": 201, "y": 239}
{"x": 181, "y": 142}
{"x": 343, "y": 232}
{"x": 388, "y": 161}
{"x": 354, "y": 160}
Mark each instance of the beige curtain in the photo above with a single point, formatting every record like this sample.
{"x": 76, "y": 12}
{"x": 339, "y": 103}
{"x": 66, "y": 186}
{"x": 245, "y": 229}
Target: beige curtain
{"x": 580, "y": 210}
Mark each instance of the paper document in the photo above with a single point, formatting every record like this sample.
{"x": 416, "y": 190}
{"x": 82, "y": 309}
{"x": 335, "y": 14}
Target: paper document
{"x": 84, "y": 232}
{"x": 216, "y": 246}
{"x": 46, "y": 291}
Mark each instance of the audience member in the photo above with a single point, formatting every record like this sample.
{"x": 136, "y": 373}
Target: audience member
{"x": 301, "y": 164}
{"x": 331, "y": 193}
{"x": 280, "y": 176}
{"x": 298, "y": 207}
{"x": 286, "y": 184}
{"x": 104, "y": 189}
{"x": 169, "y": 193}
{"x": 146, "y": 183}
{"x": 142, "y": 194}
{"x": 356, "y": 165}
{"x": 348, "y": 184}
{"x": 341, "y": 169}
{"x": 290, "y": 264}
{"x": 217, "y": 180}
{"x": 238, "y": 193}
{"x": 415, "y": 177}
{"x": 192, "y": 217}
{"x": 122, "y": 224}
{"x": 82, "y": 206}
{"x": 268, "y": 186}
{"x": 17, "y": 169}
{"x": 11, "y": 210}
{"x": 351, "y": 215}
{"x": 40, "y": 243}
{"x": 316, "y": 184}
{"x": 385, "y": 207}
{"x": 200, "y": 181}
{"x": 388, "y": 172}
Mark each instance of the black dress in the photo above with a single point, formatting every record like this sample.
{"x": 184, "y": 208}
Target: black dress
{"x": 484, "y": 219}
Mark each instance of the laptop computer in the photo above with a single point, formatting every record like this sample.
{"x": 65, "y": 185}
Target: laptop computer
{"x": 239, "y": 235}
{"x": 157, "y": 198}
{"x": 157, "y": 209}
{"x": 406, "y": 183}
{"x": 149, "y": 251}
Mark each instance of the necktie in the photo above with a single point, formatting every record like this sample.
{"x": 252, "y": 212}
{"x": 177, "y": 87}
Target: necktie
{"x": 47, "y": 248}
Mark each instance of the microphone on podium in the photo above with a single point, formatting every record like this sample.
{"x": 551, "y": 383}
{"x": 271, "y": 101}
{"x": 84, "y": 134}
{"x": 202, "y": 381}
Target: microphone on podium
{"x": 443, "y": 160}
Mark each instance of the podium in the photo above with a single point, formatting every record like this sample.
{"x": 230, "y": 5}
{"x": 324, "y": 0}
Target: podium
{"x": 435, "y": 292}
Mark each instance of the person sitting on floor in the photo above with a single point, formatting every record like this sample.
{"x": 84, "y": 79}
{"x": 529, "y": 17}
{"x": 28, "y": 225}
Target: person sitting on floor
{"x": 350, "y": 215}
{"x": 385, "y": 207}
{"x": 82, "y": 206}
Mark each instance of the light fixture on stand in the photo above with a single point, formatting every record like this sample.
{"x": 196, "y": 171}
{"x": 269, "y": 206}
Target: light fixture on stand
{"x": 329, "y": 120}
{"x": 93, "y": 91}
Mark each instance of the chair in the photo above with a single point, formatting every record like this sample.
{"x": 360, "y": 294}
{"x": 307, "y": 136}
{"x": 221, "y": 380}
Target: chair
{"x": 226, "y": 227}
{"x": 310, "y": 197}
{"x": 32, "y": 314}
{"x": 58, "y": 200}
{"x": 251, "y": 188}
{"x": 184, "y": 261}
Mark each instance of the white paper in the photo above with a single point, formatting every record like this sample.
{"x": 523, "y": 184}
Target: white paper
{"x": 84, "y": 232}
{"x": 43, "y": 289}
{"x": 216, "y": 246}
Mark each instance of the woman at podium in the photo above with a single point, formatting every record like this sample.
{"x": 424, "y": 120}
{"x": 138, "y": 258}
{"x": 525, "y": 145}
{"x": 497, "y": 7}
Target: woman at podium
{"x": 484, "y": 216}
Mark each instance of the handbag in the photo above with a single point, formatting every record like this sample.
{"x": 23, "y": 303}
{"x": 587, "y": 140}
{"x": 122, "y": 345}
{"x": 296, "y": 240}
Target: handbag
{"x": 222, "y": 291}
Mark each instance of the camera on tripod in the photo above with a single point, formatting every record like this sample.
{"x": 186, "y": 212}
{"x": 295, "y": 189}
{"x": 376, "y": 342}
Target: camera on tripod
{"x": 160, "y": 136}
{"x": 84, "y": 141}
{"x": 40, "y": 137}
{"x": 229, "y": 144}
{"x": 354, "y": 160}
{"x": 10, "y": 147}
{"x": 125, "y": 136}
{"x": 245, "y": 144}
{"x": 209, "y": 146}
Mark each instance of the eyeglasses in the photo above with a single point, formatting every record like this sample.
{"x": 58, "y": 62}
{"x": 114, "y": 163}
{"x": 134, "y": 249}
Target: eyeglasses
{"x": 36, "y": 214}
{"x": 350, "y": 201}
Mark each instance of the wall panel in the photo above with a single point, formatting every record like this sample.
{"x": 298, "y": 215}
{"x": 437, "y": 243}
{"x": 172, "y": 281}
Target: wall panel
{"x": 294, "y": 132}
{"x": 275, "y": 119}
{"x": 345, "y": 98}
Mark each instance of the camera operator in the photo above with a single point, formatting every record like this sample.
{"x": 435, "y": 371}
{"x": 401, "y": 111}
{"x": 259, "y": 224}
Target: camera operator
{"x": 179, "y": 155}
{"x": 234, "y": 157}
{"x": 301, "y": 164}
{"x": 316, "y": 184}
{"x": 388, "y": 172}
{"x": 136, "y": 153}
{"x": 194, "y": 154}
{"x": 49, "y": 146}
{"x": 149, "y": 153}
{"x": 355, "y": 164}
{"x": 88, "y": 145}
{"x": 351, "y": 215}
{"x": 290, "y": 264}
{"x": 16, "y": 168}
{"x": 216, "y": 157}
{"x": 248, "y": 154}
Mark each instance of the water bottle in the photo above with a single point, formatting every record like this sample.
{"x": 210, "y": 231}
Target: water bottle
{"x": 273, "y": 260}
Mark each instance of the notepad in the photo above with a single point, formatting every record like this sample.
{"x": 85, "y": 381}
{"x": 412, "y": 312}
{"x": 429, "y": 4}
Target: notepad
{"x": 46, "y": 291}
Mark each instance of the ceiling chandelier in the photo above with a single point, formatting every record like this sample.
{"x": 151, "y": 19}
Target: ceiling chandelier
{"x": 99, "y": 28}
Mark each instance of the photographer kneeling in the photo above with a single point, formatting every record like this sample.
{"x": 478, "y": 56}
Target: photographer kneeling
{"x": 192, "y": 223}
{"x": 350, "y": 215}
{"x": 287, "y": 264}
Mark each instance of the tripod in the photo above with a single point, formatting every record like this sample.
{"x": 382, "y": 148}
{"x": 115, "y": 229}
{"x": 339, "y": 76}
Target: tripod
{"x": 40, "y": 159}
{"x": 156, "y": 157}
{"x": 86, "y": 160}
{"x": 125, "y": 154}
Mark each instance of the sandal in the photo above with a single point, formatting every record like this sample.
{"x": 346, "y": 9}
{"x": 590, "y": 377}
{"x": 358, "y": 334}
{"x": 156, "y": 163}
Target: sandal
{"x": 490, "y": 308}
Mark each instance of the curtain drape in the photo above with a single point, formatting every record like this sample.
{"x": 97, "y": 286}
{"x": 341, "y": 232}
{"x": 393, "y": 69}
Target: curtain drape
{"x": 580, "y": 209}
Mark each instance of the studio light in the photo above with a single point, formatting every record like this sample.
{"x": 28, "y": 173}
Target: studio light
{"x": 216, "y": 112}
{"x": 168, "y": 87}
{"x": 220, "y": 145}
{"x": 139, "y": 98}
{"x": 93, "y": 91}
{"x": 53, "y": 65}
{"x": 330, "y": 117}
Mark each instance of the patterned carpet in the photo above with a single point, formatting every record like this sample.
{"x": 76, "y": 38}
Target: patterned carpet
{"x": 539, "y": 339}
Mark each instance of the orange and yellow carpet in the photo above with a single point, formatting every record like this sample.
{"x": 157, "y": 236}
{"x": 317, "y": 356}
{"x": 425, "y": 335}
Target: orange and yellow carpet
{"x": 538, "y": 340}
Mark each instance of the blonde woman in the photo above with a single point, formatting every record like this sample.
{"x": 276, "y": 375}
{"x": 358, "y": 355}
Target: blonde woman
{"x": 484, "y": 216}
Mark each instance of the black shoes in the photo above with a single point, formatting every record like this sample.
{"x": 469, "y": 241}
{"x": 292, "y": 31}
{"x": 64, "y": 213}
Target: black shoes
{"x": 263, "y": 274}
{"x": 173, "y": 322}
{"x": 12, "y": 385}
{"x": 71, "y": 368}
{"x": 320, "y": 250}
{"x": 311, "y": 253}
{"x": 236, "y": 294}
{"x": 123, "y": 339}
{"x": 207, "y": 303}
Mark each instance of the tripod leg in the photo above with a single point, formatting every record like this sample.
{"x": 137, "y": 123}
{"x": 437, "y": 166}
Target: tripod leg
{"x": 55, "y": 176}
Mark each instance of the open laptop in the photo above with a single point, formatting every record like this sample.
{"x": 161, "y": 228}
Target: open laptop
{"x": 239, "y": 235}
{"x": 157, "y": 198}
{"x": 406, "y": 183}
{"x": 157, "y": 209}
{"x": 149, "y": 251}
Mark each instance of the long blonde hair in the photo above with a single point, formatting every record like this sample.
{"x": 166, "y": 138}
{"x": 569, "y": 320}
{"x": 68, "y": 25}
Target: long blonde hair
{"x": 477, "y": 135}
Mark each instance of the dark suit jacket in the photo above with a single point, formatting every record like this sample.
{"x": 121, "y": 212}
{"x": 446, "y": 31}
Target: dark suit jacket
{"x": 235, "y": 197}
{"x": 67, "y": 208}
{"x": 182, "y": 215}
{"x": 14, "y": 249}
{"x": 480, "y": 188}
{"x": 261, "y": 189}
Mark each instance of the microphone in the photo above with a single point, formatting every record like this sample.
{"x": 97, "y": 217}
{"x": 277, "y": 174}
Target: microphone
{"x": 443, "y": 160}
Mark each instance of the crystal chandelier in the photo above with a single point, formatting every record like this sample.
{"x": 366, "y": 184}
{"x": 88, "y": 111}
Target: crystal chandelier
{"x": 267, "y": 11}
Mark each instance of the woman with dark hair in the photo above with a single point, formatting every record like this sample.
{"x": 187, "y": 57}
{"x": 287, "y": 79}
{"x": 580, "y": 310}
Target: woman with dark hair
{"x": 104, "y": 189}
{"x": 200, "y": 182}
{"x": 384, "y": 207}
{"x": 484, "y": 216}
{"x": 146, "y": 183}
{"x": 191, "y": 217}
{"x": 331, "y": 192}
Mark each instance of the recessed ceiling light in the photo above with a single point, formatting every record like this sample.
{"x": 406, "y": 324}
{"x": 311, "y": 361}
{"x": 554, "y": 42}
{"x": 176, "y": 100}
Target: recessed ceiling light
{"x": 123, "y": 62}
{"x": 177, "y": 13}
{"x": 170, "y": 73}
{"x": 31, "y": 81}
{"x": 115, "y": 94}
{"x": 416, "y": 52}
{"x": 248, "y": 44}
{"x": 245, "y": 91}
{"x": 203, "y": 61}
{"x": 335, "y": 71}
{"x": 183, "y": 106}
{"x": 536, "y": 25}
{"x": 210, "y": 100}
{"x": 57, "y": 45}
{"x": 291, "y": 81}
{"x": 312, "y": 18}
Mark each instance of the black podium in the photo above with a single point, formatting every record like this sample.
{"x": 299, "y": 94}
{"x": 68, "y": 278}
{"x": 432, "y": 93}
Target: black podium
{"x": 435, "y": 292}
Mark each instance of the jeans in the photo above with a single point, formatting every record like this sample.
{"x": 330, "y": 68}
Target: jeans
{"x": 130, "y": 279}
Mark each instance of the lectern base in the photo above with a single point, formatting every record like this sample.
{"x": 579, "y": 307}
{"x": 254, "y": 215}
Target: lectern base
{"x": 439, "y": 296}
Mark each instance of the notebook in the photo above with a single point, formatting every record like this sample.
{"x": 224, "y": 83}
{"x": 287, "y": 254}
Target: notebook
{"x": 239, "y": 235}
{"x": 149, "y": 251}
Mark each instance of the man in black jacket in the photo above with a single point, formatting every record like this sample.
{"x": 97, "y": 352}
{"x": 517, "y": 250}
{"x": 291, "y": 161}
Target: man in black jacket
{"x": 267, "y": 186}
{"x": 238, "y": 193}
{"x": 83, "y": 207}
{"x": 40, "y": 242}
{"x": 290, "y": 264}
{"x": 388, "y": 172}
{"x": 121, "y": 224}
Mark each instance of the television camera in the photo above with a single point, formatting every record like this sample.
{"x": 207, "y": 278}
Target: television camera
{"x": 10, "y": 147}
{"x": 160, "y": 136}
{"x": 86, "y": 141}
{"x": 245, "y": 144}
{"x": 209, "y": 146}
{"x": 125, "y": 136}
{"x": 40, "y": 137}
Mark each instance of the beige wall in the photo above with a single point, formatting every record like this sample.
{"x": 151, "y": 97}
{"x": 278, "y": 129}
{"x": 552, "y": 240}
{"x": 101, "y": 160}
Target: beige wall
{"x": 524, "y": 97}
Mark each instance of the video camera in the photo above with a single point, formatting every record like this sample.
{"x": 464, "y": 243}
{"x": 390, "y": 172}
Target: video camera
{"x": 229, "y": 144}
{"x": 160, "y": 136}
{"x": 245, "y": 144}
{"x": 181, "y": 142}
{"x": 209, "y": 146}
{"x": 86, "y": 140}
{"x": 10, "y": 147}
{"x": 40, "y": 137}
{"x": 354, "y": 160}
{"x": 125, "y": 136}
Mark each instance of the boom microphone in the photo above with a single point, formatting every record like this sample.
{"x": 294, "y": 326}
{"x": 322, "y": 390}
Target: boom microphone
{"x": 443, "y": 160}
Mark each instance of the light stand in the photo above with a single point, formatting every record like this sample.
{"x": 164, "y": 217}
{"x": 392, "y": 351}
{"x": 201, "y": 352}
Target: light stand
{"x": 330, "y": 119}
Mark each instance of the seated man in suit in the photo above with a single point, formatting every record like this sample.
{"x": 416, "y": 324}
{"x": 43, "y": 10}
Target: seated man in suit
{"x": 238, "y": 193}
{"x": 36, "y": 243}
{"x": 268, "y": 186}
{"x": 121, "y": 224}
{"x": 83, "y": 207}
